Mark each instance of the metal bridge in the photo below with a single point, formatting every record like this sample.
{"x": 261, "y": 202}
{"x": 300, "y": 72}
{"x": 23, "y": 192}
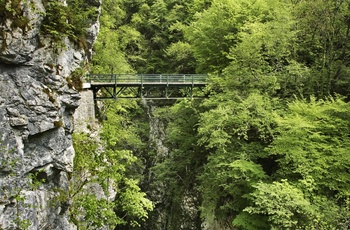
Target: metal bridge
{"x": 153, "y": 86}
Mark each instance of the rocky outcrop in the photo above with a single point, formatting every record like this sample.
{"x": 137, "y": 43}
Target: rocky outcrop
{"x": 84, "y": 116}
{"x": 36, "y": 107}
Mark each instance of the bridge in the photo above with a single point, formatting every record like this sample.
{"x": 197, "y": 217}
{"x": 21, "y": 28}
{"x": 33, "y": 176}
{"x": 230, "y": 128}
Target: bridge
{"x": 153, "y": 86}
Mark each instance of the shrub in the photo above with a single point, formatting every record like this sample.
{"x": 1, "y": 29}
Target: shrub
{"x": 12, "y": 9}
{"x": 71, "y": 20}
{"x": 75, "y": 79}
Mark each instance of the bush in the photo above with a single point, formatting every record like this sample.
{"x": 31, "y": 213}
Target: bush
{"x": 71, "y": 20}
{"x": 11, "y": 9}
{"x": 75, "y": 79}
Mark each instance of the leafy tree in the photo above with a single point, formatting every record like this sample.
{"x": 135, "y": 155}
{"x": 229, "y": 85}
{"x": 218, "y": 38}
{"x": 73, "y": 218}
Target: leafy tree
{"x": 89, "y": 207}
{"x": 235, "y": 130}
{"x": 110, "y": 168}
{"x": 263, "y": 58}
{"x": 145, "y": 36}
{"x": 233, "y": 117}
{"x": 181, "y": 57}
{"x": 283, "y": 203}
{"x": 226, "y": 180}
{"x": 212, "y": 34}
{"x": 323, "y": 29}
{"x": 308, "y": 146}
{"x": 110, "y": 45}
{"x": 313, "y": 143}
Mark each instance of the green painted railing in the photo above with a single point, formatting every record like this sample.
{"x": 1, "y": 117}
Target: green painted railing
{"x": 148, "y": 78}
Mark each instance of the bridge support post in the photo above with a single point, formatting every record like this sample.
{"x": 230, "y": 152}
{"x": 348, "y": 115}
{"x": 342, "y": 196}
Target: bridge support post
{"x": 94, "y": 93}
{"x": 115, "y": 91}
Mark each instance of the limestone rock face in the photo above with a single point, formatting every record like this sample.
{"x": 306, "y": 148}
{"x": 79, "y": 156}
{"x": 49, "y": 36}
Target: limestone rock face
{"x": 36, "y": 122}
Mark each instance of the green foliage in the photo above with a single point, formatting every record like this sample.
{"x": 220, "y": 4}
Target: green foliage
{"x": 58, "y": 124}
{"x": 181, "y": 57}
{"x": 236, "y": 117}
{"x": 75, "y": 80}
{"x": 86, "y": 158}
{"x": 322, "y": 46}
{"x": 111, "y": 169}
{"x": 178, "y": 171}
{"x": 225, "y": 181}
{"x": 55, "y": 21}
{"x": 313, "y": 142}
{"x": 81, "y": 15}
{"x": 283, "y": 203}
{"x": 69, "y": 20}
{"x": 13, "y": 10}
{"x": 118, "y": 130}
{"x": 96, "y": 212}
{"x": 307, "y": 144}
{"x": 212, "y": 40}
{"x": 19, "y": 198}
{"x": 132, "y": 204}
{"x": 109, "y": 57}
{"x": 312, "y": 151}
{"x": 16, "y": 194}
{"x": 257, "y": 157}
{"x": 111, "y": 43}
{"x": 36, "y": 180}
{"x": 248, "y": 221}
{"x": 141, "y": 36}
{"x": 261, "y": 58}
{"x": 8, "y": 163}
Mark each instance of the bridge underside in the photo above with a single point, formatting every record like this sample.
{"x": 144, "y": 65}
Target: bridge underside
{"x": 147, "y": 91}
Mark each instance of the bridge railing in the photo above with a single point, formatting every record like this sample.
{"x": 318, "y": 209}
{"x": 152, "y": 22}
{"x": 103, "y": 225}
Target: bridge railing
{"x": 147, "y": 78}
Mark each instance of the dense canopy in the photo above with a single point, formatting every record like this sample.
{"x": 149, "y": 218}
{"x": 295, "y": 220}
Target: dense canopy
{"x": 270, "y": 146}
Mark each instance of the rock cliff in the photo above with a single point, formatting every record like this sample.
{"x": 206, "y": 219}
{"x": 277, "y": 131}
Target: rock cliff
{"x": 37, "y": 101}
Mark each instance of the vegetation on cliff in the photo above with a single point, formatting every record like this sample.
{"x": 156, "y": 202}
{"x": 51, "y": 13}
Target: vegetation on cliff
{"x": 104, "y": 187}
{"x": 69, "y": 19}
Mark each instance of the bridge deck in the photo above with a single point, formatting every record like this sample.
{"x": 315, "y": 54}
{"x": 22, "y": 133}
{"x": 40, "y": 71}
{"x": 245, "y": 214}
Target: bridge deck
{"x": 157, "y": 79}
{"x": 144, "y": 82}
